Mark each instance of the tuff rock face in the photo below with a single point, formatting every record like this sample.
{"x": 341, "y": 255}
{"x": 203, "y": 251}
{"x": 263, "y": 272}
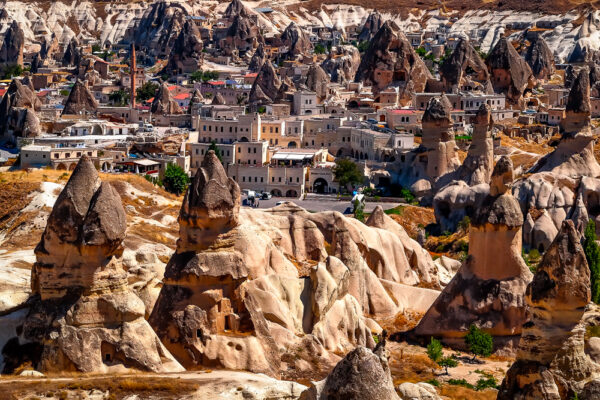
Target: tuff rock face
{"x": 391, "y": 60}
{"x": 578, "y": 108}
{"x": 17, "y": 111}
{"x": 11, "y": 51}
{"x": 317, "y": 81}
{"x": 438, "y": 138}
{"x": 163, "y": 102}
{"x": 218, "y": 100}
{"x": 258, "y": 59}
{"x": 236, "y": 8}
{"x": 242, "y": 36}
{"x": 83, "y": 317}
{"x": 489, "y": 288}
{"x": 266, "y": 86}
{"x": 477, "y": 167}
{"x": 72, "y": 54}
{"x": 464, "y": 65}
{"x": 556, "y": 355}
{"x": 510, "y": 73}
{"x": 80, "y": 100}
{"x": 373, "y": 23}
{"x": 159, "y": 27}
{"x": 362, "y": 374}
{"x": 540, "y": 58}
{"x": 186, "y": 55}
{"x": 342, "y": 63}
{"x": 246, "y": 289}
{"x": 296, "y": 40}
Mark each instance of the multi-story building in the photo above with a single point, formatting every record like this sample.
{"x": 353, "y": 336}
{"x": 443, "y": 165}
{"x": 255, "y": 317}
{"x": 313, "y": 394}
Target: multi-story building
{"x": 61, "y": 158}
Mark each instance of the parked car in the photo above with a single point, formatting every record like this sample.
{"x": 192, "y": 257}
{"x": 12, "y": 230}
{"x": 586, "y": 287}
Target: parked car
{"x": 266, "y": 196}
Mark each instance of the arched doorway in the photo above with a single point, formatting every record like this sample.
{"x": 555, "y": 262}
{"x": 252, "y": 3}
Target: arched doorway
{"x": 276, "y": 192}
{"x": 292, "y": 145}
{"x": 320, "y": 186}
{"x": 244, "y": 139}
{"x": 382, "y": 118}
{"x": 72, "y": 166}
{"x": 291, "y": 193}
{"x": 61, "y": 167}
{"x": 105, "y": 166}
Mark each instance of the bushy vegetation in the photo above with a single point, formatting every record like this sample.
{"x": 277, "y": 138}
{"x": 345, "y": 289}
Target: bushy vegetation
{"x": 146, "y": 91}
{"x": 359, "y": 212}
{"x": 204, "y": 76}
{"x": 213, "y": 147}
{"x": 479, "y": 342}
{"x": 176, "y": 180}
{"x": 346, "y": 173}
{"x": 11, "y": 70}
{"x": 435, "y": 354}
{"x": 119, "y": 97}
{"x": 320, "y": 49}
{"x": 592, "y": 254}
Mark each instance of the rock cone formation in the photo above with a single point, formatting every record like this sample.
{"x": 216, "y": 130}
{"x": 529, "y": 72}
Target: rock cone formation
{"x": 72, "y": 55}
{"x": 258, "y": 59}
{"x": 391, "y": 60}
{"x": 540, "y": 58}
{"x": 236, "y": 8}
{"x": 242, "y": 36}
{"x": 266, "y": 86}
{"x": 218, "y": 100}
{"x": 438, "y": 138}
{"x": 362, "y": 374}
{"x": 373, "y": 23}
{"x": 17, "y": 112}
{"x": 159, "y": 27}
{"x": 342, "y": 63}
{"x": 11, "y": 51}
{"x": 317, "y": 81}
{"x": 80, "y": 100}
{"x": 163, "y": 102}
{"x": 247, "y": 288}
{"x": 489, "y": 288}
{"x": 464, "y": 65}
{"x": 556, "y": 356}
{"x": 510, "y": 73}
{"x": 296, "y": 40}
{"x": 186, "y": 55}
{"x": 83, "y": 316}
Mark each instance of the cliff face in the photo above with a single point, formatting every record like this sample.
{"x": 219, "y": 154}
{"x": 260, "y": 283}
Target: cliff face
{"x": 186, "y": 55}
{"x": 464, "y": 66}
{"x": 163, "y": 102}
{"x": 391, "y": 60}
{"x": 83, "y": 316}
{"x": 11, "y": 51}
{"x": 540, "y": 58}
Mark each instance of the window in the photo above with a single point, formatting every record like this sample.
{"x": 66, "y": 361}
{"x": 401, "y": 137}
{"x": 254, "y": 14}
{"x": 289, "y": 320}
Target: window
{"x": 261, "y": 179}
{"x": 279, "y": 179}
{"x": 239, "y": 149}
{"x": 255, "y": 150}
{"x": 272, "y": 179}
{"x": 243, "y": 179}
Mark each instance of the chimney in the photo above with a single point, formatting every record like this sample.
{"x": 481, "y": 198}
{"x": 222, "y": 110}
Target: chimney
{"x": 132, "y": 72}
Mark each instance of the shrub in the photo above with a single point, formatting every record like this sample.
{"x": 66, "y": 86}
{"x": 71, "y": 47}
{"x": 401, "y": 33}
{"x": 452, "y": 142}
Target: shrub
{"x": 434, "y": 350}
{"x": 176, "y": 180}
{"x": 447, "y": 362}
{"x": 486, "y": 382}
{"x": 434, "y": 382}
{"x": 461, "y": 382}
{"x": 479, "y": 342}
{"x": 464, "y": 224}
{"x": 592, "y": 254}
{"x": 359, "y": 211}
{"x": 346, "y": 173}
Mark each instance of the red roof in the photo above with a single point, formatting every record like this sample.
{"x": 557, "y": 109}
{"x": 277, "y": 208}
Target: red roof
{"x": 150, "y": 100}
{"x": 216, "y": 83}
{"x": 403, "y": 111}
{"x": 2, "y": 91}
{"x": 172, "y": 87}
{"x": 181, "y": 96}
{"x": 254, "y": 75}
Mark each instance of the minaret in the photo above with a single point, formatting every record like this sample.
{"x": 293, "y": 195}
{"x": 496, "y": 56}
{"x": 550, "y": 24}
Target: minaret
{"x": 132, "y": 72}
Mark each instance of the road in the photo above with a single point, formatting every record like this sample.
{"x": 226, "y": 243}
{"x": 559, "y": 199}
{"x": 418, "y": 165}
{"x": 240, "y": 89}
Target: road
{"x": 317, "y": 205}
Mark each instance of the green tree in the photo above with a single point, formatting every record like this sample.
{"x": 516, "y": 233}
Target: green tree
{"x": 119, "y": 97}
{"x": 447, "y": 362}
{"x": 146, "y": 91}
{"x": 12, "y": 70}
{"x": 421, "y": 51}
{"x": 346, "y": 173}
{"x": 96, "y": 48}
{"x": 196, "y": 76}
{"x": 176, "y": 180}
{"x": 479, "y": 342}
{"x": 592, "y": 254}
{"x": 213, "y": 147}
{"x": 363, "y": 46}
{"x": 320, "y": 49}
{"x": 434, "y": 350}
